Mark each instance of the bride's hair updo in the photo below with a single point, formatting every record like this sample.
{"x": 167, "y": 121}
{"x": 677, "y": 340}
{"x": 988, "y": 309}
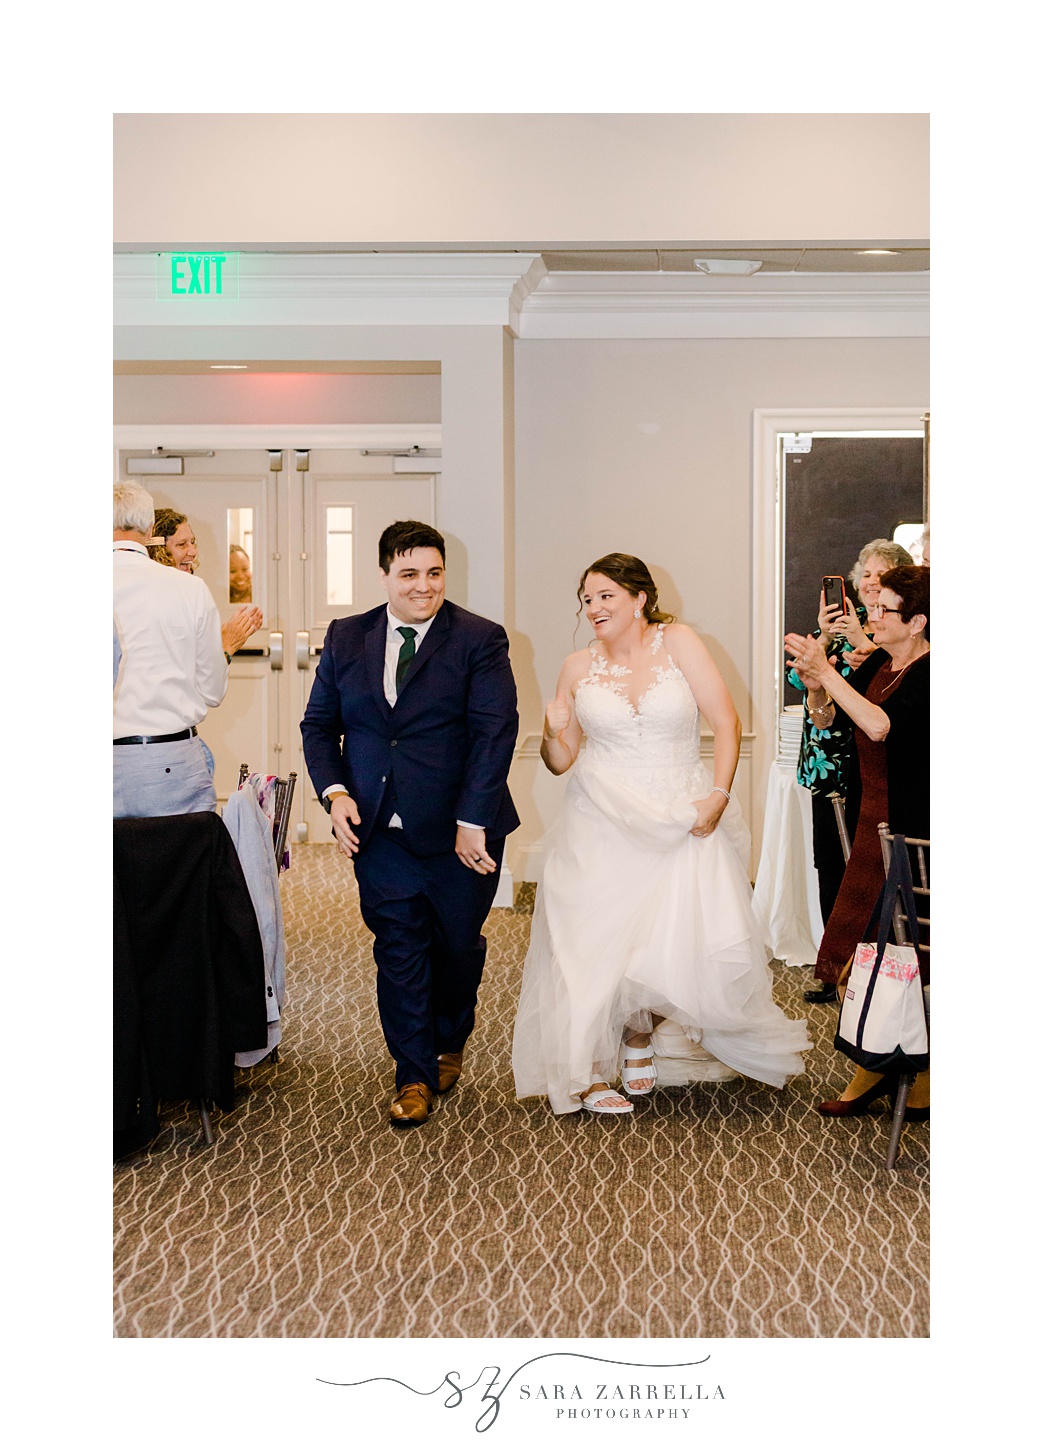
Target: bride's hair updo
{"x": 631, "y": 574}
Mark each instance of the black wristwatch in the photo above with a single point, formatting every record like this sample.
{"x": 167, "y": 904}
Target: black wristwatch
{"x": 327, "y": 801}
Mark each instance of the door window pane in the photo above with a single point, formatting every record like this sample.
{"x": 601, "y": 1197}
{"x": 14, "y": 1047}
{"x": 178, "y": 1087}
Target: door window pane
{"x": 840, "y": 490}
{"x": 240, "y": 555}
{"x": 910, "y": 536}
{"x": 339, "y": 554}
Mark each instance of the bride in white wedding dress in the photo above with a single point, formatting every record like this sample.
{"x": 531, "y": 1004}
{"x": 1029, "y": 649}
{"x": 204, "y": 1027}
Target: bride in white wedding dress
{"x": 646, "y": 960}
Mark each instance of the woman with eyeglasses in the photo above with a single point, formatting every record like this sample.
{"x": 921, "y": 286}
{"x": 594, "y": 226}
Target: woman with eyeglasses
{"x": 887, "y": 701}
{"x": 826, "y": 765}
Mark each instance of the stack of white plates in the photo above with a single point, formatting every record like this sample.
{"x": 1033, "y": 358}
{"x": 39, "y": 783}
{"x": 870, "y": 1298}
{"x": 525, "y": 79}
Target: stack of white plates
{"x": 791, "y": 723}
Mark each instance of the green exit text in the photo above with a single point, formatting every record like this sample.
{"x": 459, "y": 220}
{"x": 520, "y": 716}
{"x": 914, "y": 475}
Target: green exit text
{"x": 199, "y": 274}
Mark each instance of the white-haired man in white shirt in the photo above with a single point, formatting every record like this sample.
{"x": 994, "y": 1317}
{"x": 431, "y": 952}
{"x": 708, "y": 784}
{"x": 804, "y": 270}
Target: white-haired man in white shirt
{"x": 172, "y": 667}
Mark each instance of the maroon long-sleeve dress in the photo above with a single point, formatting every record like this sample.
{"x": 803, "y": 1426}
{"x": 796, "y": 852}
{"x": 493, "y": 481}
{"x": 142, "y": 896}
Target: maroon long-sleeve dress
{"x": 895, "y": 784}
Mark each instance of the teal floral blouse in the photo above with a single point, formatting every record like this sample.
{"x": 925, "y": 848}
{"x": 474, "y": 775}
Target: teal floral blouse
{"x": 824, "y": 763}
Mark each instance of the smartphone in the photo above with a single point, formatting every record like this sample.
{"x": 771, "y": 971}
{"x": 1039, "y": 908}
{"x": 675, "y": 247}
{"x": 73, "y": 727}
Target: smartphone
{"x": 833, "y": 589}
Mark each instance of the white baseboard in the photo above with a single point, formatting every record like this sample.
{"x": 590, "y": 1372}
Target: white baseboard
{"x": 505, "y": 888}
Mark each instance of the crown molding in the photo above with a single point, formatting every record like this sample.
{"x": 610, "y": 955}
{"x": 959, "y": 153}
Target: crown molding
{"x": 515, "y": 290}
{"x": 672, "y": 305}
{"x": 560, "y": 291}
{"x": 341, "y": 289}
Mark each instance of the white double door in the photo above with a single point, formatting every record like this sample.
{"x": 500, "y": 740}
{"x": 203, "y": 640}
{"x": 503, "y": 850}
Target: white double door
{"x": 308, "y": 522}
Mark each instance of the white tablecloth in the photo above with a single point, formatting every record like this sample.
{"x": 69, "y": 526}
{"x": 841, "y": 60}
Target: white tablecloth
{"x": 786, "y": 892}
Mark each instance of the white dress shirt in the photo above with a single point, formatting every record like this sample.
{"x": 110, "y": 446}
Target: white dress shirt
{"x": 172, "y": 664}
{"x": 392, "y": 647}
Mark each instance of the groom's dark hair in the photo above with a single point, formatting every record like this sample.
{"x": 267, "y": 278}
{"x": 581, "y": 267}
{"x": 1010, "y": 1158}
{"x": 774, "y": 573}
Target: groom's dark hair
{"x": 404, "y": 535}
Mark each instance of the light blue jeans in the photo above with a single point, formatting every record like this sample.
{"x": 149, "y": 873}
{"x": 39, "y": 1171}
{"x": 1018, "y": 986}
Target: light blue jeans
{"x": 168, "y": 779}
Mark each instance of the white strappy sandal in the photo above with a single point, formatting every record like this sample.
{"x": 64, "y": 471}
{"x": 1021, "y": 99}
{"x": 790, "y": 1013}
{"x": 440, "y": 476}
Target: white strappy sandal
{"x": 595, "y": 1102}
{"x": 631, "y": 1052}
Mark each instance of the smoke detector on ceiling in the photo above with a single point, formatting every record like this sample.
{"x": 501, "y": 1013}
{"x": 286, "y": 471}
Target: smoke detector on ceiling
{"x": 726, "y": 267}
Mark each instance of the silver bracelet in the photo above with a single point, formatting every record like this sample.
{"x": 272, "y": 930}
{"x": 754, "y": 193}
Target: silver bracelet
{"x": 721, "y": 790}
{"x": 821, "y": 709}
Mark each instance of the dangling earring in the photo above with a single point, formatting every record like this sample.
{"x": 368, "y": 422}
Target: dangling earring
{"x": 637, "y": 614}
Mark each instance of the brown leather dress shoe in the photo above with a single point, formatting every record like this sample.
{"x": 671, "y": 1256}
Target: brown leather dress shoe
{"x": 449, "y": 1066}
{"x": 411, "y": 1105}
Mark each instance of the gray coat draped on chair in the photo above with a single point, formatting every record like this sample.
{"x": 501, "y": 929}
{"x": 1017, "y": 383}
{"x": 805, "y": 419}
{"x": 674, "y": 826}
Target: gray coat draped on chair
{"x": 251, "y": 833}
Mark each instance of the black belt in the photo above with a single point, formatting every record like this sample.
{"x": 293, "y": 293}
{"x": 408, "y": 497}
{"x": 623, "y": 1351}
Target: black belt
{"x": 184, "y": 735}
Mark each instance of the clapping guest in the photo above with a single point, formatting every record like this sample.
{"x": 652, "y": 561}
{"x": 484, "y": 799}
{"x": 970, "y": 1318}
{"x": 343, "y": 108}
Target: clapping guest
{"x": 174, "y": 543}
{"x": 827, "y": 765}
{"x": 887, "y": 701}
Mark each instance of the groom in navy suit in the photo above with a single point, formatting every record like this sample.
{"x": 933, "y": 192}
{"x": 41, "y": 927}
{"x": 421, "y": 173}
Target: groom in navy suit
{"x": 408, "y": 735}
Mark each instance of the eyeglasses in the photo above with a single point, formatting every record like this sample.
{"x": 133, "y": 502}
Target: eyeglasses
{"x": 881, "y": 610}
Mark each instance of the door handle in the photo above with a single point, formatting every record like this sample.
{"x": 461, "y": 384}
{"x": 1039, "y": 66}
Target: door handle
{"x": 275, "y": 648}
{"x": 303, "y": 649}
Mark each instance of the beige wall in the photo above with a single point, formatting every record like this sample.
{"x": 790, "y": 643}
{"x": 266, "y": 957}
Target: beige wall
{"x": 646, "y": 447}
{"x": 428, "y": 181}
{"x": 276, "y": 397}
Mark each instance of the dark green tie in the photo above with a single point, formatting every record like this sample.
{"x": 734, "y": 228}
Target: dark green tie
{"x": 406, "y": 654}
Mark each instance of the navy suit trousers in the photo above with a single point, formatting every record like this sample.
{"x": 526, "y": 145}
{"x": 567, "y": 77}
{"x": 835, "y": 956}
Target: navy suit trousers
{"x": 426, "y": 914}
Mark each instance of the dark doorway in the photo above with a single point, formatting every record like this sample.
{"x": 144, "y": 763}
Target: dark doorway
{"x": 839, "y": 495}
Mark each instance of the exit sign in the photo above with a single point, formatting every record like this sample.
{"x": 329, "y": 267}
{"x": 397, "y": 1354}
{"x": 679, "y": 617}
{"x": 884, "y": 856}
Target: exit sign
{"x": 197, "y": 274}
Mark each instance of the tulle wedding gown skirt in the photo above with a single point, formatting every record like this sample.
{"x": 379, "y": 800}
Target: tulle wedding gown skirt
{"x": 634, "y": 916}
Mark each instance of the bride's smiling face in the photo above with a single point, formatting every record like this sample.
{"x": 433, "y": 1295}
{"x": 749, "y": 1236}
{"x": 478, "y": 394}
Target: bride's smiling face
{"x": 609, "y": 608}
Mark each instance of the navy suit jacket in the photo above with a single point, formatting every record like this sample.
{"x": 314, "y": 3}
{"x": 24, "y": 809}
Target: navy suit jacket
{"x": 442, "y": 752}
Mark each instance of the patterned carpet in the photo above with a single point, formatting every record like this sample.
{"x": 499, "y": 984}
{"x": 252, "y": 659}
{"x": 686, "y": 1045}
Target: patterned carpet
{"x": 722, "y": 1210}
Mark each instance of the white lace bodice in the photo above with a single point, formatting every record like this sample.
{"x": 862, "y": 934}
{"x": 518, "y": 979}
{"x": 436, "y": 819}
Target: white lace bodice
{"x": 660, "y": 732}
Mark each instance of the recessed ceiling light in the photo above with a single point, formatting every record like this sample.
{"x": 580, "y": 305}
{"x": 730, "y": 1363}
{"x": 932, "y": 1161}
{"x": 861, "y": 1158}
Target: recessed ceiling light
{"x": 227, "y": 367}
{"x": 877, "y": 252}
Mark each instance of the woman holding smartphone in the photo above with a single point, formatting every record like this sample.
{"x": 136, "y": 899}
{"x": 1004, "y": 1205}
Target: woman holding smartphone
{"x": 888, "y": 701}
{"x": 827, "y": 765}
